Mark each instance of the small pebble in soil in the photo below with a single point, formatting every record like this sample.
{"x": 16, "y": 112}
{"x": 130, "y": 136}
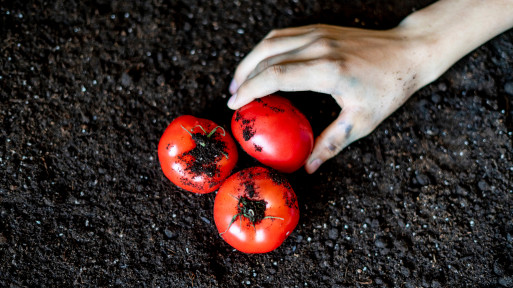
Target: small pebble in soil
{"x": 205, "y": 220}
{"x": 506, "y": 281}
{"x": 169, "y": 234}
{"x": 508, "y": 88}
{"x": 333, "y": 234}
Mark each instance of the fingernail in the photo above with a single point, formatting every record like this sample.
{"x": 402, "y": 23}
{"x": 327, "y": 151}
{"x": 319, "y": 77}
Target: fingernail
{"x": 232, "y": 99}
{"x": 315, "y": 164}
{"x": 233, "y": 87}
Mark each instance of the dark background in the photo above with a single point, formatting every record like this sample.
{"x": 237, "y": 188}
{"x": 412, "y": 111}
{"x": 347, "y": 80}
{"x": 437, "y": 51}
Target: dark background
{"x": 87, "y": 88}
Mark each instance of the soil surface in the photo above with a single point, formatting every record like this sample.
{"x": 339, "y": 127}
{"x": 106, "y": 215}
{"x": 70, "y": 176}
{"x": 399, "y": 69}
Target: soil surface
{"x": 88, "y": 87}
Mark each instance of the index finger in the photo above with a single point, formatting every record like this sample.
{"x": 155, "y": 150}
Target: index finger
{"x": 307, "y": 75}
{"x": 276, "y": 42}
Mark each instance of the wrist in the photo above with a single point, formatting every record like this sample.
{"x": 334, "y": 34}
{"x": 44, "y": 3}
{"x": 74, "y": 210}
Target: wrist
{"x": 423, "y": 51}
{"x": 444, "y": 32}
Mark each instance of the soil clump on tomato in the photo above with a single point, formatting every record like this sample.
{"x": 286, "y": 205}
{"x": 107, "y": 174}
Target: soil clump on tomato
{"x": 248, "y": 131}
{"x": 253, "y": 210}
{"x": 257, "y": 148}
{"x": 204, "y": 156}
{"x": 249, "y": 188}
{"x": 279, "y": 178}
{"x": 272, "y": 108}
{"x": 87, "y": 87}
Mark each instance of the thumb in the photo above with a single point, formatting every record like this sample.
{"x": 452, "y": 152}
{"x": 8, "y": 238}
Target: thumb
{"x": 334, "y": 138}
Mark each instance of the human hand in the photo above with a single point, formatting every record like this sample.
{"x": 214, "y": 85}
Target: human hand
{"x": 369, "y": 73}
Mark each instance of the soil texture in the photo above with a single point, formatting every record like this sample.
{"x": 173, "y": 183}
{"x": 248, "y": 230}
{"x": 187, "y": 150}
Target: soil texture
{"x": 88, "y": 87}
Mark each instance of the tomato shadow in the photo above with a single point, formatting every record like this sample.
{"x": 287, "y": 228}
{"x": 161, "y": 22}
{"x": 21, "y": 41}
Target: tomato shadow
{"x": 321, "y": 110}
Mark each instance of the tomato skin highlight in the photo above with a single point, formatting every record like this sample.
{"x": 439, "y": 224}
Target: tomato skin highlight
{"x": 280, "y": 216}
{"x": 274, "y": 132}
{"x": 179, "y": 163}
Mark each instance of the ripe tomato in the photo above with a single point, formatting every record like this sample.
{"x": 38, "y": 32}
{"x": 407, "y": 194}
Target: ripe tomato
{"x": 196, "y": 154}
{"x": 274, "y": 132}
{"x": 255, "y": 210}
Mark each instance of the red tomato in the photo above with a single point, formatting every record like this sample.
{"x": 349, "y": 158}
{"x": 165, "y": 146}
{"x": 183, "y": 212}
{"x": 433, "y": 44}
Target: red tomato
{"x": 255, "y": 210}
{"x": 274, "y": 132}
{"x": 196, "y": 154}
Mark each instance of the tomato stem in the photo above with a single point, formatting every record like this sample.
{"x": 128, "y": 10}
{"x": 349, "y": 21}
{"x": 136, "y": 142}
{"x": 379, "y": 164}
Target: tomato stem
{"x": 274, "y": 217}
{"x": 201, "y": 127}
{"x": 186, "y": 130}
{"x": 211, "y": 131}
{"x": 215, "y": 129}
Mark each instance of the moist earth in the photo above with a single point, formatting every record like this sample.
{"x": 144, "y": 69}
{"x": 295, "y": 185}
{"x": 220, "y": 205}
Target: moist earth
{"x": 88, "y": 87}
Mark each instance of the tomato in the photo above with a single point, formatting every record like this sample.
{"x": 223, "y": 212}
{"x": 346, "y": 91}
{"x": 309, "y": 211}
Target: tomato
{"x": 255, "y": 210}
{"x": 274, "y": 132}
{"x": 196, "y": 154}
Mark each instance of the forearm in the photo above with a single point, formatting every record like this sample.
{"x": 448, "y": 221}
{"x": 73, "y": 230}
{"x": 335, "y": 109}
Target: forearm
{"x": 449, "y": 29}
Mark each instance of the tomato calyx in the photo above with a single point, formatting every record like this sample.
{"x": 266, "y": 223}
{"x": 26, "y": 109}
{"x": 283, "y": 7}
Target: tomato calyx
{"x": 253, "y": 210}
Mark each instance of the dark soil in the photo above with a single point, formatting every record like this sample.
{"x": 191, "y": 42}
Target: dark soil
{"x": 88, "y": 87}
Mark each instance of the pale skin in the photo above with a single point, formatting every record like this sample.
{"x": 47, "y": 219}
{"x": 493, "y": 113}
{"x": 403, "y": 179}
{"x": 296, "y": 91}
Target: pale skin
{"x": 369, "y": 73}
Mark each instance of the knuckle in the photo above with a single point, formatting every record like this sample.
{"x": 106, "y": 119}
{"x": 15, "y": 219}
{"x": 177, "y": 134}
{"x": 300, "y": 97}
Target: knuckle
{"x": 338, "y": 66}
{"x": 270, "y": 34}
{"x": 321, "y": 32}
{"x": 267, "y": 44}
{"x": 332, "y": 147}
{"x": 274, "y": 33}
{"x": 333, "y": 64}
{"x": 264, "y": 64}
{"x": 346, "y": 129}
{"x": 277, "y": 70}
{"x": 324, "y": 44}
{"x": 317, "y": 29}
{"x": 318, "y": 63}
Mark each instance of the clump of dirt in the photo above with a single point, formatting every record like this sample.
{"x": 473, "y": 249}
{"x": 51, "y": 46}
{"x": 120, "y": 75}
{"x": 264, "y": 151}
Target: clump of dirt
{"x": 249, "y": 187}
{"x": 253, "y": 210}
{"x": 203, "y": 158}
{"x": 266, "y": 105}
{"x": 257, "y": 148}
{"x": 248, "y": 130}
{"x": 279, "y": 179}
